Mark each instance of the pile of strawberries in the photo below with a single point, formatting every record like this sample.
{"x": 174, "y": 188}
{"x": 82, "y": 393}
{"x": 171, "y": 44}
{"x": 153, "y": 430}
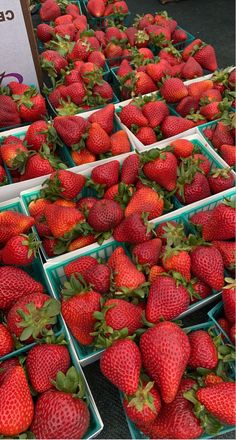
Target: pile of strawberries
{"x": 221, "y": 135}
{"x": 141, "y": 189}
{"x": 43, "y": 387}
{"x": 104, "y": 8}
{"x": 19, "y": 104}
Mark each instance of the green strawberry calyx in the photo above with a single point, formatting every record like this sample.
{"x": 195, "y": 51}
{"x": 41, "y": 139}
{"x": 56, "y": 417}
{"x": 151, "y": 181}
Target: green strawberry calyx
{"x": 142, "y": 398}
{"x": 32, "y": 243}
{"x": 75, "y": 286}
{"x": 70, "y": 383}
{"x": 221, "y": 172}
{"x": 36, "y": 322}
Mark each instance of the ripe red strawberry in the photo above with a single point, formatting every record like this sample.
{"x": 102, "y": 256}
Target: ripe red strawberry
{"x": 222, "y": 135}
{"x": 104, "y": 118}
{"x": 38, "y": 320}
{"x": 177, "y": 260}
{"x": 130, "y": 169}
{"x": 201, "y": 289}
{"x": 39, "y": 133}
{"x": 9, "y": 115}
{"x": 62, "y": 220}
{"x": 98, "y": 141}
{"x": 121, "y": 364}
{"x": 158, "y": 70}
{"x": 70, "y": 128}
{"x": 106, "y": 174}
{"x": 80, "y": 265}
{"x": 17, "y": 89}
{"x": 203, "y": 350}
{"x": 197, "y": 189}
{"x": 165, "y": 351}
{"x": 112, "y": 259}
{"x": 44, "y": 32}
{"x": 221, "y": 224}
{"x": 64, "y": 184}
{"x": 229, "y": 301}
{"x": 207, "y": 265}
{"x": 96, "y": 8}
{"x": 13, "y": 223}
{"x": 187, "y": 105}
{"x": 82, "y": 157}
{"x": 147, "y": 253}
{"x": 6, "y": 341}
{"x": 49, "y": 10}
{"x": 39, "y": 164}
{"x": 204, "y": 163}
{"x": 182, "y": 148}
{"x": 36, "y": 207}
{"x": 191, "y": 69}
{"x": 162, "y": 169}
{"x": 103, "y": 92}
{"x": 146, "y": 135}
{"x": 20, "y": 250}
{"x": 145, "y": 200}
{"x": 99, "y": 277}
{"x": 166, "y": 299}
{"x": 15, "y": 283}
{"x": 81, "y": 242}
{"x": 227, "y": 250}
{"x": 119, "y": 143}
{"x": 126, "y": 275}
{"x": 85, "y": 204}
{"x": 53, "y": 406}
{"x": 155, "y": 112}
{"x": 211, "y": 111}
{"x": 179, "y": 35}
{"x": 206, "y": 57}
{"x": 224, "y": 324}
{"x": 43, "y": 363}
{"x": 201, "y": 218}
{"x": 6, "y": 366}
{"x": 132, "y": 115}
{"x": 219, "y": 400}
{"x": 63, "y": 19}
{"x": 133, "y": 229}
{"x": 73, "y": 10}
{"x": 212, "y": 379}
{"x": 227, "y": 152}
{"x": 3, "y": 176}
{"x": 14, "y": 155}
{"x": 143, "y": 84}
{"x": 76, "y": 92}
{"x": 220, "y": 179}
{"x": 171, "y": 55}
{"x": 144, "y": 406}
{"x": 173, "y": 125}
{"x": 16, "y": 404}
{"x": 78, "y": 310}
{"x": 105, "y": 215}
{"x": 31, "y": 106}
{"x": 173, "y": 90}
{"x": 124, "y": 68}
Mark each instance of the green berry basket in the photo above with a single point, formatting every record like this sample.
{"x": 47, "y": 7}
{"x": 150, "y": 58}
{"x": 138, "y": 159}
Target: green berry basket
{"x": 100, "y": 23}
{"x": 35, "y": 270}
{"x": 136, "y": 434}
{"x": 56, "y": 277}
{"x": 216, "y": 313}
{"x": 96, "y": 424}
{"x": 182, "y": 44}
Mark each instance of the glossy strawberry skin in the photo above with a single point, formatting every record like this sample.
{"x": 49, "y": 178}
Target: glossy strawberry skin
{"x": 219, "y": 400}
{"x": 203, "y": 350}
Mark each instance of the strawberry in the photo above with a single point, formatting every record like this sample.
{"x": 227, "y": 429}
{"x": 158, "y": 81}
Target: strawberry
{"x": 221, "y": 224}
{"x": 191, "y": 69}
{"x": 96, "y": 8}
{"x": 132, "y": 115}
{"x": 146, "y": 135}
{"x": 187, "y": 105}
{"x": 158, "y": 165}
{"x": 20, "y": 250}
{"x": 107, "y": 174}
{"x": 232, "y": 334}
{"x": 105, "y": 215}
{"x": 211, "y": 95}
{"x": 14, "y": 155}
{"x": 222, "y": 135}
{"x": 203, "y": 163}
{"x": 31, "y": 106}
{"x": 133, "y": 229}
{"x": 118, "y": 318}
{"x": 228, "y": 154}
{"x": 182, "y": 148}
{"x": 158, "y": 70}
{"x": 212, "y": 379}
{"x": 173, "y": 125}
{"x": 206, "y": 57}
{"x": 192, "y": 184}
{"x": 124, "y": 68}
{"x": 98, "y": 141}
{"x": 64, "y": 202}
{"x": 41, "y": 164}
{"x": 6, "y": 366}
{"x": 37, "y": 206}
{"x": 103, "y": 93}
{"x": 17, "y": 89}
{"x": 203, "y": 350}
{"x": 113, "y": 50}
{"x": 144, "y": 405}
{"x": 211, "y": 111}
{"x": 78, "y": 310}
{"x": 130, "y": 169}
{"x": 80, "y": 51}
{"x": 121, "y": 364}
{"x": 70, "y": 128}
{"x": 43, "y": 363}
{"x": 104, "y": 118}
{"x": 224, "y": 324}
{"x": 187, "y": 52}
{"x": 6, "y": 341}
{"x": 143, "y": 84}
{"x": 52, "y": 408}
{"x": 3, "y": 176}
{"x": 81, "y": 242}
{"x": 178, "y": 36}
{"x": 49, "y": 10}
{"x": 99, "y": 277}
{"x": 220, "y": 179}
{"x": 62, "y": 220}
{"x": 227, "y": 250}
{"x": 173, "y": 90}
{"x": 80, "y": 265}
{"x": 9, "y": 115}
{"x": 145, "y": 200}
{"x": 32, "y": 316}
{"x": 207, "y": 265}
{"x": 177, "y": 260}
{"x": 196, "y": 89}
{"x": 229, "y": 301}
{"x": 219, "y": 401}
{"x": 165, "y": 351}
{"x": 155, "y": 112}
{"x": 16, "y": 404}
{"x": 40, "y": 133}
{"x": 155, "y": 271}
{"x": 147, "y": 253}
{"x": 64, "y": 184}
{"x": 119, "y": 143}
{"x": 119, "y": 7}
{"x": 73, "y": 10}
{"x": 85, "y": 204}
{"x": 13, "y": 223}
{"x": 166, "y": 300}
{"x": 201, "y": 289}
{"x": 66, "y": 30}
{"x": 126, "y": 275}
{"x": 63, "y": 19}
{"x": 82, "y": 157}
{"x": 44, "y": 32}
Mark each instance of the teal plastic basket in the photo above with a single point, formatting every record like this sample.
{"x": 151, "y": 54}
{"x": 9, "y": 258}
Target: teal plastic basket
{"x": 136, "y": 434}
{"x": 56, "y": 279}
{"x": 99, "y": 23}
{"x": 216, "y": 313}
{"x": 96, "y": 424}
{"x": 183, "y": 44}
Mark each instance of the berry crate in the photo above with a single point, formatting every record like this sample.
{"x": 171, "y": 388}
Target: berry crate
{"x": 215, "y": 313}
{"x": 137, "y": 434}
{"x": 100, "y": 23}
{"x": 35, "y": 270}
{"x": 96, "y": 423}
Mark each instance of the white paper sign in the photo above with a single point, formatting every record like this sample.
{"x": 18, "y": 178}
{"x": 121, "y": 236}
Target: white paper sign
{"x": 16, "y": 61}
